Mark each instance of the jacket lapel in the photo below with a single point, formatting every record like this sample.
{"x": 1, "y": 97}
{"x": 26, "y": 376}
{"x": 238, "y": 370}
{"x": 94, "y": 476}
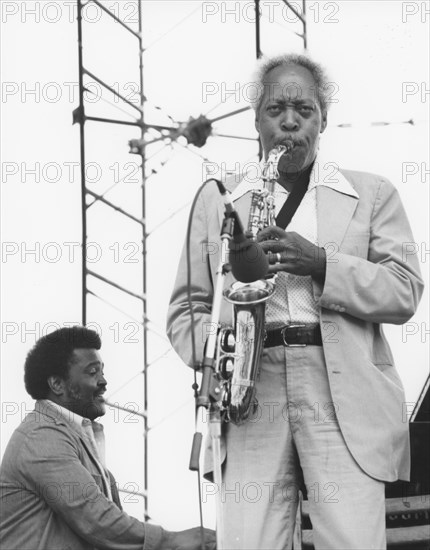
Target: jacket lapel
{"x": 334, "y": 213}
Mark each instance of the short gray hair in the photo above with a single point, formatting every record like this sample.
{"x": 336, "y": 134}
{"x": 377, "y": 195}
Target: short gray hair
{"x": 266, "y": 64}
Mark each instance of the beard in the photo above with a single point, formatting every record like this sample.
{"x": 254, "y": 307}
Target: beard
{"x": 292, "y": 163}
{"x": 296, "y": 161}
{"x": 84, "y": 404}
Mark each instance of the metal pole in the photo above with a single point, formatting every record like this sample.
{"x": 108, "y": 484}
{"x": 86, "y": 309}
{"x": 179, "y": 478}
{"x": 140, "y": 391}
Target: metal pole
{"x": 82, "y": 155}
{"x": 257, "y": 29}
{"x": 144, "y": 274}
{"x": 305, "y": 36}
{"x": 258, "y": 54}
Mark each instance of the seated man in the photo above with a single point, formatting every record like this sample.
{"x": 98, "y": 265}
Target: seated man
{"x": 56, "y": 492}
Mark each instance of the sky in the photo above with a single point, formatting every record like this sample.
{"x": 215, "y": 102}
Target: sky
{"x": 198, "y": 59}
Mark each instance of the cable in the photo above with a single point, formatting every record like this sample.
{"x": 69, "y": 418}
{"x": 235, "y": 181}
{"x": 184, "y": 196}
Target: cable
{"x": 162, "y": 164}
{"x": 139, "y": 373}
{"x": 96, "y": 199}
{"x": 189, "y": 297}
{"x": 110, "y": 103}
{"x": 283, "y": 27}
{"x": 184, "y": 404}
{"x": 168, "y": 218}
{"x": 188, "y": 148}
{"x": 146, "y": 323}
{"x": 125, "y": 384}
{"x": 193, "y": 342}
{"x": 173, "y": 28}
{"x": 222, "y": 102}
{"x": 235, "y": 137}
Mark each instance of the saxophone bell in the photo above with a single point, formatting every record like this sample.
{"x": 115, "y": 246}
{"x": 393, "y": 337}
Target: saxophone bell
{"x": 242, "y": 348}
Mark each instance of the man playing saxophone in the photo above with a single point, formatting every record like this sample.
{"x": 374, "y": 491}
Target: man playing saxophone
{"x": 329, "y": 412}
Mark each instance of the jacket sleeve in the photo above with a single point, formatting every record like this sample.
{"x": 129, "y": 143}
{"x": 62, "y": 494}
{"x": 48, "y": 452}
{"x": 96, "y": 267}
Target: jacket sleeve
{"x": 50, "y": 467}
{"x": 203, "y": 251}
{"x": 386, "y": 286}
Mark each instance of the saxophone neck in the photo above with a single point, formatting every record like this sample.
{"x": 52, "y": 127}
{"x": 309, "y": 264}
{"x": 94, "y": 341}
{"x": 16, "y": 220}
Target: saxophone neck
{"x": 270, "y": 171}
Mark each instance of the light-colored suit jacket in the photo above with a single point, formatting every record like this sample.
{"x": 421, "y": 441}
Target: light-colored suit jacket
{"x": 53, "y": 495}
{"x": 370, "y": 279}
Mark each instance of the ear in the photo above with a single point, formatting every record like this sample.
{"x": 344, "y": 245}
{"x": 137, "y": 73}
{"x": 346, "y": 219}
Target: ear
{"x": 56, "y": 384}
{"x": 323, "y": 122}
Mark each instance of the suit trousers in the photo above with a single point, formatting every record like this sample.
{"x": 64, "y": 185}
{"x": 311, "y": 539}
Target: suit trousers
{"x": 293, "y": 437}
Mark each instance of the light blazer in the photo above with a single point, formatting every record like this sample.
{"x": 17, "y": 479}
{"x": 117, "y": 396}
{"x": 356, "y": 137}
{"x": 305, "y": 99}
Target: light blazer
{"x": 369, "y": 280}
{"x": 52, "y": 493}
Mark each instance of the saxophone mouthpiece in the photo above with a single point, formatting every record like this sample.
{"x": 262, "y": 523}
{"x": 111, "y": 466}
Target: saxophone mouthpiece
{"x": 289, "y": 145}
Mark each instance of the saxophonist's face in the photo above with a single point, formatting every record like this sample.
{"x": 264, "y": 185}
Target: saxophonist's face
{"x": 289, "y": 110}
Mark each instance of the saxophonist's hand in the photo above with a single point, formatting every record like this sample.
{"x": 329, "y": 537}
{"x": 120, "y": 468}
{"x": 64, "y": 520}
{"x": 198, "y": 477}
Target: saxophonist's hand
{"x": 288, "y": 251}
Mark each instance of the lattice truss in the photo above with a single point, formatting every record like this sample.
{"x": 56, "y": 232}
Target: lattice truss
{"x": 158, "y": 114}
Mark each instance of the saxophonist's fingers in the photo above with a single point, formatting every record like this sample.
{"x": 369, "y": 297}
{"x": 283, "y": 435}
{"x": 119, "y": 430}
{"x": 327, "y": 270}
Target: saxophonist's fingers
{"x": 273, "y": 246}
{"x": 277, "y": 258}
{"x": 272, "y": 232}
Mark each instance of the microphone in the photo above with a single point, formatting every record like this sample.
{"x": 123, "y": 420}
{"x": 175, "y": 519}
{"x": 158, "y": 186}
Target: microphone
{"x": 228, "y": 203}
{"x": 247, "y": 259}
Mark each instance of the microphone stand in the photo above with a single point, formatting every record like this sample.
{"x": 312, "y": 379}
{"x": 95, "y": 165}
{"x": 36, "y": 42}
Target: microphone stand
{"x": 210, "y": 390}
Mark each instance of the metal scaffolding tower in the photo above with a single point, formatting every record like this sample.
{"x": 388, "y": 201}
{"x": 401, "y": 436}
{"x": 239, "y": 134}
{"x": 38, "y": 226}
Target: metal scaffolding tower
{"x": 89, "y": 197}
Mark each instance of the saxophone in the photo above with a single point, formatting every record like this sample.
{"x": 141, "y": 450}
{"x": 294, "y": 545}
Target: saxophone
{"x": 262, "y": 212}
{"x": 239, "y": 349}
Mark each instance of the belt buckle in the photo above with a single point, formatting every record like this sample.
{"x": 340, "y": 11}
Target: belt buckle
{"x": 286, "y": 344}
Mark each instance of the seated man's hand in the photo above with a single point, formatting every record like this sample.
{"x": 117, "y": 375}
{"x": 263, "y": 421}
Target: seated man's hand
{"x": 188, "y": 540}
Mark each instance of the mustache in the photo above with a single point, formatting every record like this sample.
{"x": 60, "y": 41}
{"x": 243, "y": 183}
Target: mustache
{"x": 294, "y": 140}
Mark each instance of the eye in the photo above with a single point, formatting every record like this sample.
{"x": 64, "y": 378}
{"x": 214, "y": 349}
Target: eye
{"x": 306, "y": 109}
{"x": 274, "y": 109}
{"x": 92, "y": 371}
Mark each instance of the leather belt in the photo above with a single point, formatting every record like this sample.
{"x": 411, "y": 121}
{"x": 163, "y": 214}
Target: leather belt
{"x": 294, "y": 336}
